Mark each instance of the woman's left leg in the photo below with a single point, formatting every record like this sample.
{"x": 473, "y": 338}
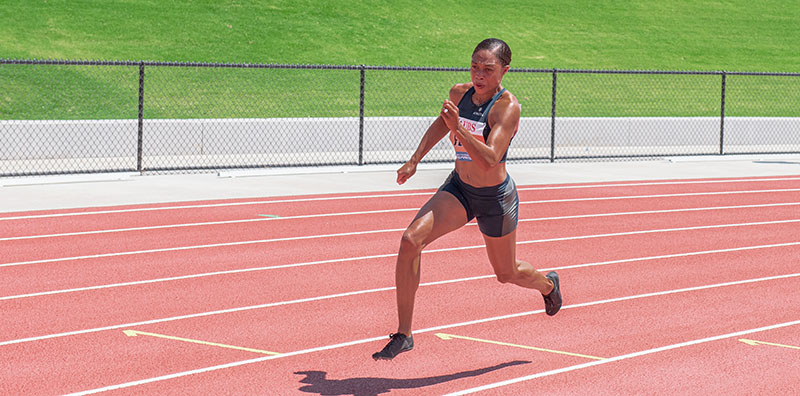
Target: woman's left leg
{"x": 502, "y": 253}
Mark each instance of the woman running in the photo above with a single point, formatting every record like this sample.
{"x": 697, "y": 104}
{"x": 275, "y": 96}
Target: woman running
{"x": 481, "y": 118}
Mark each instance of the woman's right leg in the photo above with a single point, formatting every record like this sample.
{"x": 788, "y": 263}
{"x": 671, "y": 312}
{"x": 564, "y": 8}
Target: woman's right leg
{"x": 443, "y": 213}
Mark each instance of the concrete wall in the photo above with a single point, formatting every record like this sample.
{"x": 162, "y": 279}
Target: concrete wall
{"x": 38, "y": 146}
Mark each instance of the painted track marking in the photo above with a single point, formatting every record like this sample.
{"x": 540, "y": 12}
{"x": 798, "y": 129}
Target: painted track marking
{"x": 343, "y": 234}
{"x": 485, "y": 320}
{"x": 426, "y": 192}
{"x": 388, "y": 255}
{"x": 755, "y": 342}
{"x": 208, "y": 223}
{"x": 694, "y": 194}
{"x": 323, "y": 215}
{"x": 136, "y": 333}
{"x": 604, "y": 185}
{"x": 383, "y": 289}
{"x": 624, "y": 357}
{"x": 446, "y": 337}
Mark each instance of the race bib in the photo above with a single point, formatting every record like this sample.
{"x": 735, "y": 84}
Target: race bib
{"x": 473, "y": 127}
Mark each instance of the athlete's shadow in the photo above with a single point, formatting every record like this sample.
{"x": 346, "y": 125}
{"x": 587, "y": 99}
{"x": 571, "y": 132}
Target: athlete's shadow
{"x": 370, "y": 386}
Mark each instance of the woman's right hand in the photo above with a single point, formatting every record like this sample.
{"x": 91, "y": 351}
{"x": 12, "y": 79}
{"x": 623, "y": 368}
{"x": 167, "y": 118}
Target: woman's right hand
{"x": 406, "y": 171}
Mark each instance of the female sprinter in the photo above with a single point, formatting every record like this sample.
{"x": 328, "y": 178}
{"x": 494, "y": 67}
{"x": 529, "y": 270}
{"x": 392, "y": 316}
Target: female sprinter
{"x": 481, "y": 117}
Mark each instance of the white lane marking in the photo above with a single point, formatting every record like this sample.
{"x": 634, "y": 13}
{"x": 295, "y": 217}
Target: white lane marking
{"x": 193, "y": 276}
{"x": 643, "y": 212}
{"x": 323, "y": 215}
{"x": 227, "y": 311}
{"x": 660, "y": 196}
{"x": 661, "y": 230}
{"x": 217, "y": 205}
{"x": 207, "y": 223}
{"x": 260, "y": 241}
{"x": 425, "y": 192}
{"x": 212, "y": 245}
{"x": 347, "y": 259}
{"x": 430, "y": 329}
{"x": 383, "y": 289}
{"x": 659, "y": 183}
{"x": 624, "y": 357}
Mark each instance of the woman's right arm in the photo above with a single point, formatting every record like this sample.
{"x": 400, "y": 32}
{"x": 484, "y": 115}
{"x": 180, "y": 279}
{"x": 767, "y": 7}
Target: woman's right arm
{"x": 433, "y": 135}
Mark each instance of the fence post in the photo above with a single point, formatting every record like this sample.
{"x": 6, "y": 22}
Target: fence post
{"x": 140, "y": 139}
{"x": 553, "y": 121}
{"x": 722, "y": 117}
{"x": 361, "y": 119}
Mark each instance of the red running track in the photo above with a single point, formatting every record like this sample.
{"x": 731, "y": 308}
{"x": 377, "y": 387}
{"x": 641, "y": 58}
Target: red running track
{"x": 670, "y": 287}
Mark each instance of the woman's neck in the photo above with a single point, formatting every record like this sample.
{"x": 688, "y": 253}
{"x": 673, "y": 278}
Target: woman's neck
{"x": 480, "y": 99}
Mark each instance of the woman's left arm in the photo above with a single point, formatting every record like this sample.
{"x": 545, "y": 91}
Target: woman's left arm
{"x": 504, "y": 121}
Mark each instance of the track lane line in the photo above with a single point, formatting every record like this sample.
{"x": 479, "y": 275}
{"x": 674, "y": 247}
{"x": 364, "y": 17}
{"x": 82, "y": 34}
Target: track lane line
{"x": 360, "y": 292}
{"x": 644, "y": 212}
{"x": 217, "y": 205}
{"x": 402, "y": 194}
{"x": 284, "y": 239}
{"x": 624, "y": 357}
{"x": 207, "y": 274}
{"x": 388, "y": 255}
{"x": 382, "y": 211}
{"x": 210, "y": 223}
{"x": 227, "y": 311}
{"x": 449, "y": 326}
{"x": 212, "y": 245}
{"x": 693, "y": 194}
{"x": 661, "y": 183}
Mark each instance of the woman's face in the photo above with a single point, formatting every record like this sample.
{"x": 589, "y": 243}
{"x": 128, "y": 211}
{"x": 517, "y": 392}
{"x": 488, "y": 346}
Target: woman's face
{"x": 486, "y": 71}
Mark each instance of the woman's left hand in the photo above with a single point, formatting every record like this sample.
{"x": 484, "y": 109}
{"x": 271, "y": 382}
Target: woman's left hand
{"x": 449, "y": 115}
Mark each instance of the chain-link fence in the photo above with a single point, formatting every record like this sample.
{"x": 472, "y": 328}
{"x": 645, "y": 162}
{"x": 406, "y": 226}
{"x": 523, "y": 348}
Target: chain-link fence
{"x": 89, "y": 116}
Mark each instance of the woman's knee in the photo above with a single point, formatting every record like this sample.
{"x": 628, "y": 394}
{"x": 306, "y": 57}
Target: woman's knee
{"x": 507, "y": 273}
{"x": 412, "y": 240}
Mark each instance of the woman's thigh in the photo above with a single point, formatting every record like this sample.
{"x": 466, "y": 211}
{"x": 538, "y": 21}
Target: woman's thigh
{"x": 442, "y": 214}
{"x": 502, "y": 252}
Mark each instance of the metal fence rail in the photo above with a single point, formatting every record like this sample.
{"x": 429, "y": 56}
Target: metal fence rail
{"x": 69, "y": 116}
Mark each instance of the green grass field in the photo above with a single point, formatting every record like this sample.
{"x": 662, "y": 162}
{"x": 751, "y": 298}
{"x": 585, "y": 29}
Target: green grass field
{"x": 735, "y": 35}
